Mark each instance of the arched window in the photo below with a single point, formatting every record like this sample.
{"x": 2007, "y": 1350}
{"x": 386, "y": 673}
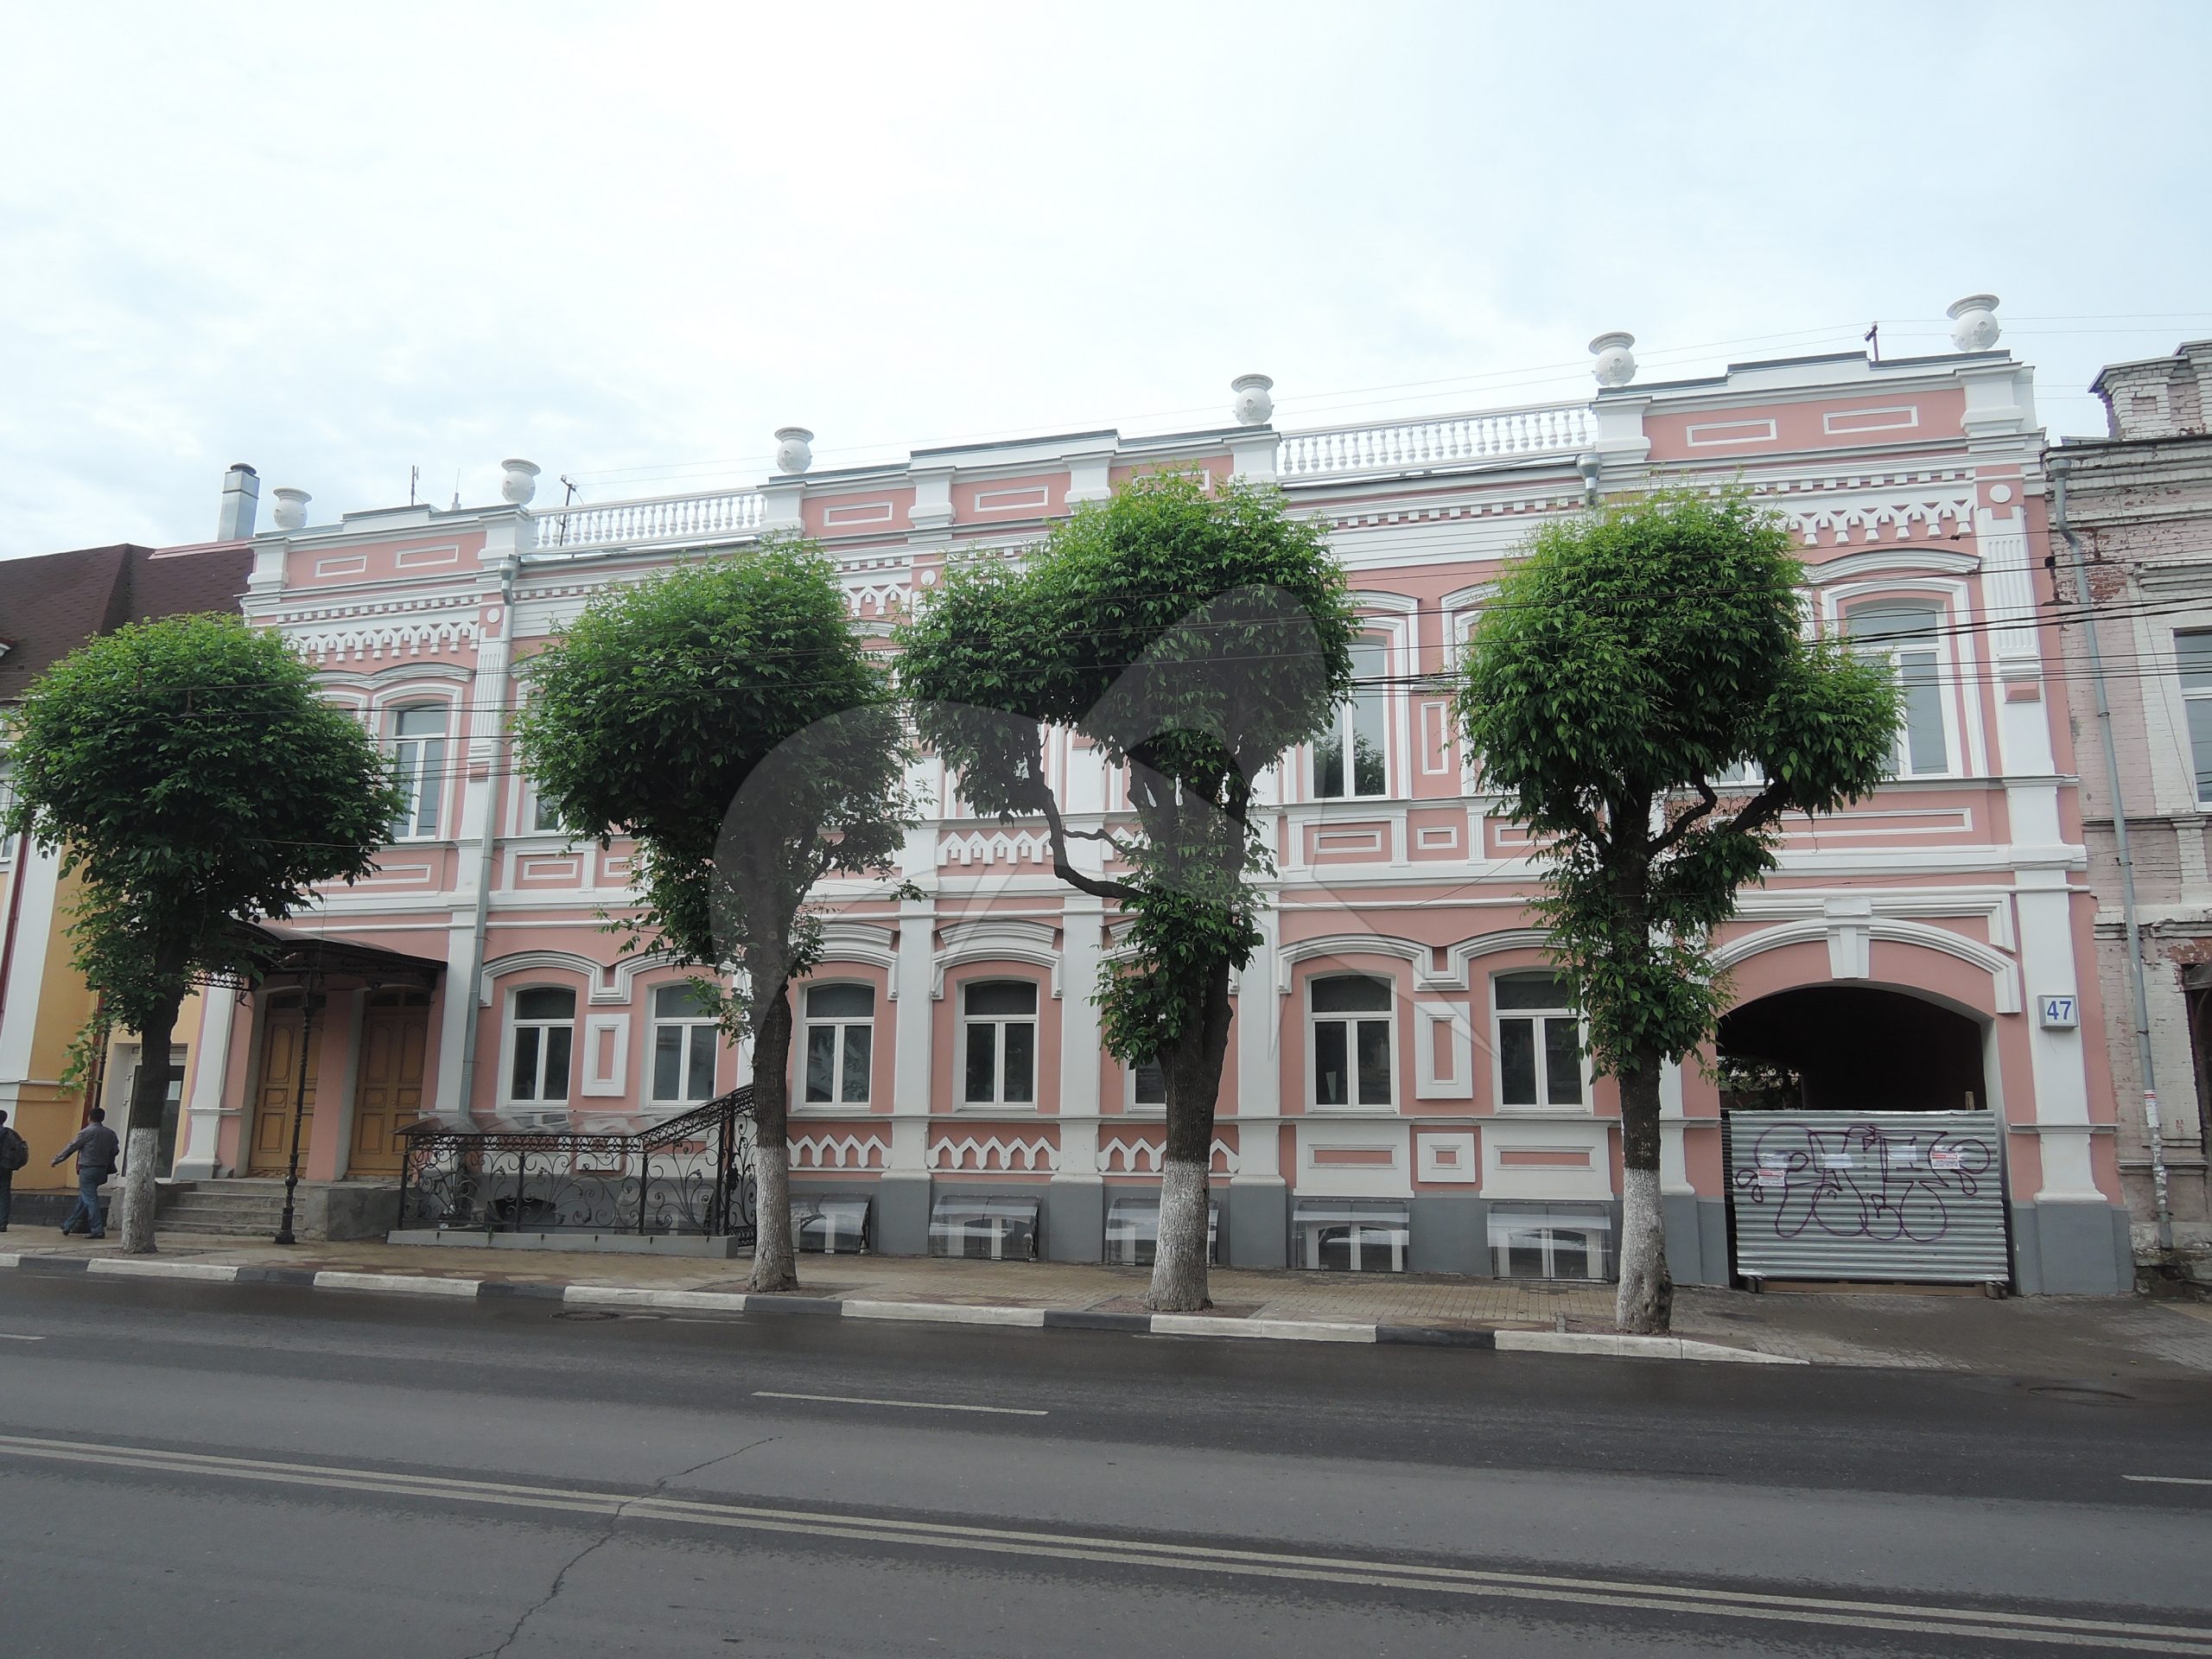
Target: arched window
{"x": 545, "y": 1036}
{"x": 1907, "y": 633}
{"x": 1350, "y": 759}
{"x": 998, "y": 1019}
{"x": 840, "y": 1044}
{"x": 418, "y": 748}
{"x": 1351, "y": 1041}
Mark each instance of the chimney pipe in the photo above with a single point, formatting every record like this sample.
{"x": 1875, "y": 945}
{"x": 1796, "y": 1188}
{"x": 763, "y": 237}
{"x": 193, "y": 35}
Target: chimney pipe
{"x": 241, "y": 496}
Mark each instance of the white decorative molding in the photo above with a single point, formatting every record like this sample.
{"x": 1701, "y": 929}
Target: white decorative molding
{"x": 1430, "y": 1083}
{"x": 371, "y": 643}
{"x": 1340, "y": 947}
{"x": 1036, "y": 942}
{"x": 1447, "y": 1159}
{"x": 989, "y": 1155}
{"x": 1146, "y": 1157}
{"x": 1893, "y": 517}
{"x": 1842, "y": 934}
{"x": 829, "y": 1151}
{"x": 1900, "y": 561}
{"x": 988, "y": 847}
{"x": 847, "y": 942}
{"x": 524, "y": 962}
{"x": 604, "y": 1061}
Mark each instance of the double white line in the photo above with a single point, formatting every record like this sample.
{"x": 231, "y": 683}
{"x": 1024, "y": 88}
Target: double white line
{"x": 2111, "y": 1636}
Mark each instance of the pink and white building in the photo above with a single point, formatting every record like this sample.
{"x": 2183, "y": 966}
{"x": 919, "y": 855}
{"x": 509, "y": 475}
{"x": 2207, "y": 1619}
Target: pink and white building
{"x": 1403, "y": 1089}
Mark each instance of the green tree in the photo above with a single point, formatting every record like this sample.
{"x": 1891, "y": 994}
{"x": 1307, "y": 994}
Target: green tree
{"x": 188, "y": 770}
{"x": 1192, "y": 637}
{"x": 725, "y": 716}
{"x": 1631, "y": 659}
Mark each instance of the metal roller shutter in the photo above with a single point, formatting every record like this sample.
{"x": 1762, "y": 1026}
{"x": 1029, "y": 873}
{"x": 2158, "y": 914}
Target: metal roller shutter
{"x": 1913, "y": 1196}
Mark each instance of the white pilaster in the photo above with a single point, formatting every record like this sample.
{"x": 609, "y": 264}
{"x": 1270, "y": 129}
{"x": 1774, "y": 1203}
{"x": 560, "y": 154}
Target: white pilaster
{"x": 203, "y": 1110}
{"x": 38, "y": 874}
{"x": 2044, "y": 903}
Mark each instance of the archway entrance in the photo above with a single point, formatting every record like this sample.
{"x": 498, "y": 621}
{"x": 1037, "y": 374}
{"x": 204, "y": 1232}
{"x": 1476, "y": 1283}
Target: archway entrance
{"x": 1859, "y": 1141}
{"x": 1850, "y": 1048}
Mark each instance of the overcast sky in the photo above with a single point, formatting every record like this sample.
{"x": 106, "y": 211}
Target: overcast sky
{"x": 627, "y": 242}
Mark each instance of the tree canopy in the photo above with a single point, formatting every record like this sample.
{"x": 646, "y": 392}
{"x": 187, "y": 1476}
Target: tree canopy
{"x": 724, "y": 715}
{"x": 1633, "y": 663}
{"x": 1189, "y": 634}
{"x": 188, "y": 771}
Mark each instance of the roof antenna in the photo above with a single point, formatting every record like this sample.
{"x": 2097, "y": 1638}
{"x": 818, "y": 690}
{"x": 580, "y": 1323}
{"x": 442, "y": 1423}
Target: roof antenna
{"x": 456, "y": 491}
{"x": 414, "y": 478}
{"x": 1873, "y": 338}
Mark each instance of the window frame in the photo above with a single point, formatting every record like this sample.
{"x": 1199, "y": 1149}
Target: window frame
{"x": 836, "y": 1023}
{"x": 693, "y": 1027}
{"x": 511, "y": 1047}
{"x": 1539, "y": 1017}
{"x": 2201, "y": 771}
{"x": 1343, "y": 723}
{"x": 1944, "y": 673}
{"x": 1387, "y": 1015}
{"x": 1034, "y": 1020}
{"x": 1131, "y": 1106}
{"x": 424, "y": 779}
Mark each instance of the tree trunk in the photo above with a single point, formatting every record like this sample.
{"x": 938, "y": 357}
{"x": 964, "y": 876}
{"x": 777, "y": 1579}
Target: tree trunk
{"x": 1193, "y": 1068}
{"x": 141, "y": 1139}
{"x": 1646, "y": 1301}
{"x": 775, "y": 1267}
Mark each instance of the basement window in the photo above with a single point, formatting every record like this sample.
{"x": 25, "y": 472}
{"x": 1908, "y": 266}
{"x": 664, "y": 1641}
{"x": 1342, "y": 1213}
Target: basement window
{"x": 1352, "y": 1235}
{"x": 1133, "y": 1230}
{"x": 831, "y": 1226}
{"x": 984, "y": 1227}
{"x": 1550, "y": 1241}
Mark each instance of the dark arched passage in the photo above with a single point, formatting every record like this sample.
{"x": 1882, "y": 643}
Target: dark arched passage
{"x": 1850, "y": 1048}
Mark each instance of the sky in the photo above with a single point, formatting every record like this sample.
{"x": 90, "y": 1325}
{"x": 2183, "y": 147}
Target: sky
{"x": 629, "y": 242}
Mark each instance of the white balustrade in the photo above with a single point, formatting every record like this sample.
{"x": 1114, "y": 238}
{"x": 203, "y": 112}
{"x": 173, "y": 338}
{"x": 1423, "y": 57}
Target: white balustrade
{"x": 664, "y": 518}
{"x": 1452, "y": 441}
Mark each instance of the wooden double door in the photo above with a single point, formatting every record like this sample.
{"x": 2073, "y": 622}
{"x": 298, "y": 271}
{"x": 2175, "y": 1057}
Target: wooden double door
{"x": 387, "y": 1085}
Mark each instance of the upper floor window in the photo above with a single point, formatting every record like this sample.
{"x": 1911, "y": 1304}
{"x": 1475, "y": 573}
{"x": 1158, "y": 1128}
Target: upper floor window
{"x": 1350, "y": 757}
{"x": 544, "y": 814}
{"x": 685, "y": 1035}
{"x": 1352, "y": 1041}
{"x": 1539, "y": 1042}
{"x": 999, "y": 1043}
{"x": 840, "y": 1044}
{"x": 1148, "y": 1085}
{"x": 2192, "y": 656}
{"x": 544, "y": 1036}
{"x": 1906, "y": 632}
{"x": 419, "y": 749}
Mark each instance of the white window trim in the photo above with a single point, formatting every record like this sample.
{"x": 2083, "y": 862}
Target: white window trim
{"x": 798, "y": 1102}
{"x": 1957, "y": 664}
{"x": 1354, "y": 1108}
{"x": 1036, "y": 1020}
{"x": 1583, "y": 1107}
{"x": 1131, "y": 1107}
{"x": 1391, "y": 633}
{"x": 509, "y": 1027}
{"x": 2183, "y": 697}
{"x": 388, "y": 715}
{"x": 653, "y": 1024}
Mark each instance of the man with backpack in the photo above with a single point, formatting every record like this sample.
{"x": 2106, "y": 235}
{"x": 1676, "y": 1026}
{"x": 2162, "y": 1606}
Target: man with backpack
{"x": 15, "y": 1152}
{"x": 97, "y": 1153}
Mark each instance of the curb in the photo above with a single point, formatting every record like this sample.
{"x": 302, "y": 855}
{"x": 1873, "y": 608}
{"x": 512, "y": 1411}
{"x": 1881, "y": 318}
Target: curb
{"x": 618, "y": 1297}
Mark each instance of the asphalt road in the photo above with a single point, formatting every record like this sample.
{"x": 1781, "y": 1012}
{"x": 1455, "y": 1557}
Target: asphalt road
{"x": 189, "y": 1470}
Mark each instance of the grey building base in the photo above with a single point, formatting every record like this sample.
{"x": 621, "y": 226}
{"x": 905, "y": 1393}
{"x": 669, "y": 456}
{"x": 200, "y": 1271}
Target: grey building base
{"x": 1451, "y": 1234}
{"x": 1074, "y": 1213}
{"x": 1697, "y": 1238}
{"x": 603, "y": 1243}
{"x": 902, "y": 1214}
{"x": 1258, "y": 1215}
{"x": 2072, "y": 1249}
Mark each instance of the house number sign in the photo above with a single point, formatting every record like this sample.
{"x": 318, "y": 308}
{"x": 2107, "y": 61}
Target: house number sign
{"x": 2056, "y": 1012}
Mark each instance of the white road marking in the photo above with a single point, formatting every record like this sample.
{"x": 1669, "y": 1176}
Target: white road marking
{"x": 2108, "y": 1634}
{"x": 910, "y": 1405}
{"x": 2168, "y": 1480}
{"x": 9, "y": 1336}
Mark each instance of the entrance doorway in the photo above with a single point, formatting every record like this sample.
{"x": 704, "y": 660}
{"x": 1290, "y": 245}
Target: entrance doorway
{"x": 282, "y": 1060}
{"x": 1850, "y": 1048}
{"x": 388, "y": 1096}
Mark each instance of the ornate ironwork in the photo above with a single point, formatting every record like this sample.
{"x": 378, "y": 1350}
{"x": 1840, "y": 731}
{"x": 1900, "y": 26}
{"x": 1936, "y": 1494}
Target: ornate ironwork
{"x": 692, "y": 1174}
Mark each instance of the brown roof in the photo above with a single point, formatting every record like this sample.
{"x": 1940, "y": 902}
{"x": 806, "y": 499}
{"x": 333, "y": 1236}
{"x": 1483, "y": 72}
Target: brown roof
{"x": 51, "y": 605}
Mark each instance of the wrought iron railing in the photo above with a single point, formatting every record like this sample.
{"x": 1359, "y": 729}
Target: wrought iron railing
{"x": 692, "y": 1174}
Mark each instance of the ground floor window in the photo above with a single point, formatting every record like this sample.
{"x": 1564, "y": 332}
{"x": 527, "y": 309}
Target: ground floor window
{"x": 832, "y": 1226}
{"x": 1133, "y": 1230}
{"x": 1550, "y": 1241}
{"x": 1352, "y": 1235}
{"x": 985, "y": 1227}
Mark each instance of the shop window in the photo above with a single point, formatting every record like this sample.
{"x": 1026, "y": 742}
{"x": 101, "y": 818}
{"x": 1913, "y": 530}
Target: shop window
{"x": 1539, "y": 1042}
{"x": 1350, "y": 759}
{"x": 1352, "y": 1235}
{"x": 2193, "y": 656}
{"x": 1350, "y": 1022}
{"x": 418, "y": 750}
{"x": 1133, "y": 1230}
{"x": 984, "y": 1227}
{"x": 1550, "y": 1241}
{"x": 545, "y": 1036}
{"x": 829, "y": 1226}
{"x": 685, "y": 1038}
{"x": 999, "y": 1043}
{"x": 1906, "y": 634}
{"x": 840, "y": 1044}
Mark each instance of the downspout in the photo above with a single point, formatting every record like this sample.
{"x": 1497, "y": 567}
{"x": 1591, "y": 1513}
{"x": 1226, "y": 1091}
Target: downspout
{"x": 2060, "y": 467}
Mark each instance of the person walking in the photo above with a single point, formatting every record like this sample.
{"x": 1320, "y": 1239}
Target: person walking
{"x": 98, "y": 1152}
{"x": 15, "y": 1152}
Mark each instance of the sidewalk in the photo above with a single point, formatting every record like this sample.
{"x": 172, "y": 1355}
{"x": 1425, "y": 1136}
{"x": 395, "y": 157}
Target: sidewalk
{"x": 2047, "y": 1337}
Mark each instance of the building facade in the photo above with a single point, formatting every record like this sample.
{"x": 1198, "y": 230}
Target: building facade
{"x": 48, "y": 607}
{"x": 1404, "y": 1089}
{"x": 2139, "y": 501}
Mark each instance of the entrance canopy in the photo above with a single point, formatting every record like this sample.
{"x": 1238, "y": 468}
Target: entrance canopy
{"x": 295, "y": 959}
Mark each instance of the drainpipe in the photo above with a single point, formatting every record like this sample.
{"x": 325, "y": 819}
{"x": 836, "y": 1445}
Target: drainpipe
{"x": 2060, "y": 467}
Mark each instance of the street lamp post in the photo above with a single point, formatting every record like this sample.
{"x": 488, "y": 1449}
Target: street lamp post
{"x": 310, "y": 1002}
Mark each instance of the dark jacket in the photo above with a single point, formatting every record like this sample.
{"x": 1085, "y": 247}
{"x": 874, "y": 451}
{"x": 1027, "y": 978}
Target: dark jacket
{"x": 97, "y": 1151}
